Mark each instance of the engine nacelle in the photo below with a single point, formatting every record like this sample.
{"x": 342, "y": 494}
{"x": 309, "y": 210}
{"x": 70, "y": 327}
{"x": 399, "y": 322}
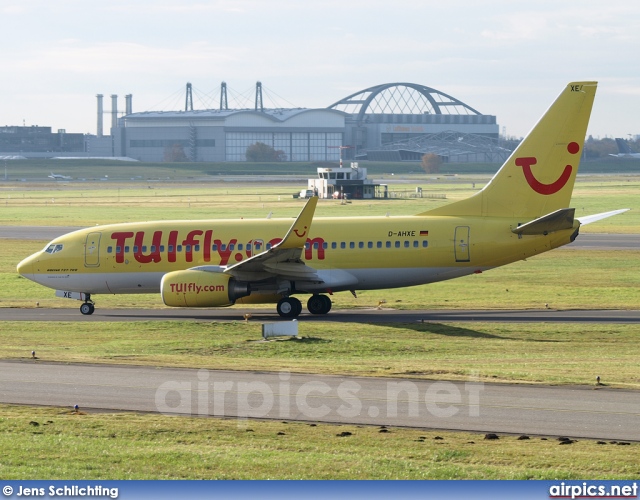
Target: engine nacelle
{"x": 193, "y": 288}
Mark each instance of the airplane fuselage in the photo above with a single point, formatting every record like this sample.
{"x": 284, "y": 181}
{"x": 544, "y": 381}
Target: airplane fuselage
{"x": 363, "y": 253}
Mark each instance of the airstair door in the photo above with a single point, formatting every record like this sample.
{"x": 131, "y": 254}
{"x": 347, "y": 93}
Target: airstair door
{"x": 461, "y": 244}
{"x": 92, "y": 250}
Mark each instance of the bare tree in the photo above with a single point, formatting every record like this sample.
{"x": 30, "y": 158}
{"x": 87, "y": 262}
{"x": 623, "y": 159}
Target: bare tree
{"x": 431, "y": 163}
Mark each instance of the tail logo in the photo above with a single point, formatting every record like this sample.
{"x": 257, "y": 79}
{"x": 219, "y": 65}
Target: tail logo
{"x": 304, "y": 232}
{"x": 539, "y": 187}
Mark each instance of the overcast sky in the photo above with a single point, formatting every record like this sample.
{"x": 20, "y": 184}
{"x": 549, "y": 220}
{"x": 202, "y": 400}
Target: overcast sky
{"x": 502, "y": 57}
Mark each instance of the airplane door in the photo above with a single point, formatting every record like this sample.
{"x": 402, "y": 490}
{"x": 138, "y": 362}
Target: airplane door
{"x": 461, "y": 244}
{"x": 92, "y": 250}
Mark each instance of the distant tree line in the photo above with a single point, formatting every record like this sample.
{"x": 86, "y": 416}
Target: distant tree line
{"x": 593, "y": 148}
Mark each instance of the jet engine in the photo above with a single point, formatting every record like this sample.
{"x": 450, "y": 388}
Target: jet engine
{"x": 194, "y": 288}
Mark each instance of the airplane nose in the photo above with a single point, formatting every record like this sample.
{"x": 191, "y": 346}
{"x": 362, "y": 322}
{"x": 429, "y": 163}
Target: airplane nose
{"x": 25, "y": 267}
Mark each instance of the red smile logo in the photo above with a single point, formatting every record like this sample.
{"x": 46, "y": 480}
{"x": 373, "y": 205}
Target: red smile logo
{"x": 539, "y": 187}
{"x": 300, "y": 235}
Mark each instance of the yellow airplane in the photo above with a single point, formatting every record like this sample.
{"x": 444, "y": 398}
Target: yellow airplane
{"x": 523, "y": 211}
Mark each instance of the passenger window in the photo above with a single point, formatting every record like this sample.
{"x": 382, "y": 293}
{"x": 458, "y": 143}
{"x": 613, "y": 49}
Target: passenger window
{"x": 379, "y": 244}
{"x": 388, "y": 244}
{"x": 370, "y": 244}
{"x": 407, "y": 244}
{"x": 109, "y": 249}
{"x": 343, "y": 245}
{"x": 397, "y": 244}
{"x": 425, "y": 244}
{"x": 352, "y": 244}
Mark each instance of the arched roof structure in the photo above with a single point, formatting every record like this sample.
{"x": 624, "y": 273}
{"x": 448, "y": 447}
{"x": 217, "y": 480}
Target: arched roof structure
{"x": 402, "y": 98}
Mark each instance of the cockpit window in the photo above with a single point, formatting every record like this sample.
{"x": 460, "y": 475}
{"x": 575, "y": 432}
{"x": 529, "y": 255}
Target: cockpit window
{"x": 54, "y": 248}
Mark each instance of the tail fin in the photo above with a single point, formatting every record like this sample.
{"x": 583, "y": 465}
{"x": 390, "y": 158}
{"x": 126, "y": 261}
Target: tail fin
{"x": 623, "y": 147}
{"x": 538, "y": 177}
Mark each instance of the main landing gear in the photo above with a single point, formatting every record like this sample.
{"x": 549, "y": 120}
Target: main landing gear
{"x": 290, "y": 307}
{"x": 88, "y": 307}
{"x": 319, "y": 304}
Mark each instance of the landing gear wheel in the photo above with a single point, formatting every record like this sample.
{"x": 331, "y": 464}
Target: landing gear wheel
{"x": 289, "y": 307}
{"x": 327, "y": 304}
{"x": 319, "y": 304}
{"x": 87, "y": 308}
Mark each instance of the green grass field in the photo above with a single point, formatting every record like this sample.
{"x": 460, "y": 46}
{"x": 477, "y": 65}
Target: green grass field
{"x": 549, "y": 353}
{"x": 65, "y": 445}
{"x": 132, "y": 446}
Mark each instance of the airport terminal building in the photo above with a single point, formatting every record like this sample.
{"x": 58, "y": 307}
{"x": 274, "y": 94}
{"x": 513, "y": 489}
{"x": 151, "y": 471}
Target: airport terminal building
{"x": 225, "y": 135}
{"x": 389, "y": 122}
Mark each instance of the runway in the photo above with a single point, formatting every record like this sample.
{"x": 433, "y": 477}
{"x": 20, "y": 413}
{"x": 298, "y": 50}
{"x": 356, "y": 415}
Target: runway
{"x": 370, "y": 315}
{"x": 575, "y": 412}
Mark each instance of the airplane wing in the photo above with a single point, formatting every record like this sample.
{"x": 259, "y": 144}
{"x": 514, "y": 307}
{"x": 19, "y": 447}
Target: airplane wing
{"x": 283, "y": 259}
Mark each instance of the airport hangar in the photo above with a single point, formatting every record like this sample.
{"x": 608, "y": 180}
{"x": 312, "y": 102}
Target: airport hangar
{"x": 389, "y": 122}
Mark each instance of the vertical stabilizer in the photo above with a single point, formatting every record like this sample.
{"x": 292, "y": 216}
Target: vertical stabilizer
{"x": 538, "y": 177}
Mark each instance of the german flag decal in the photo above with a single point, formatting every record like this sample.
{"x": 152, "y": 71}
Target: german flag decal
{"x": 424, "y": 233}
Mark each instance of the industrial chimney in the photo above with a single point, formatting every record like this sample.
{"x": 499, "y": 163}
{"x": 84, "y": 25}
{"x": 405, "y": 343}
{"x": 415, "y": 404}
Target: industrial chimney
{"x": 129, "y": 106}
{"x": 100, "y": 131}
{"x": 114, "y": 111}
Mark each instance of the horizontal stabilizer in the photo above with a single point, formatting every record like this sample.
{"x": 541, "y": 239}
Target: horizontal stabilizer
{"x": 555, "y": 221}
{"x": 588, "y": 219}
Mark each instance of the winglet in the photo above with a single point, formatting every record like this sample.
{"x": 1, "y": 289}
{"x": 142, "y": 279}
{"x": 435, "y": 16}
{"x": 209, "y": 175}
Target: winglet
{"x": 297, "y": 235}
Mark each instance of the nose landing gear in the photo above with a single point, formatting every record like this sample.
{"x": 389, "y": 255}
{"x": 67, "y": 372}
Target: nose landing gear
{"x": 88, "y": 307}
